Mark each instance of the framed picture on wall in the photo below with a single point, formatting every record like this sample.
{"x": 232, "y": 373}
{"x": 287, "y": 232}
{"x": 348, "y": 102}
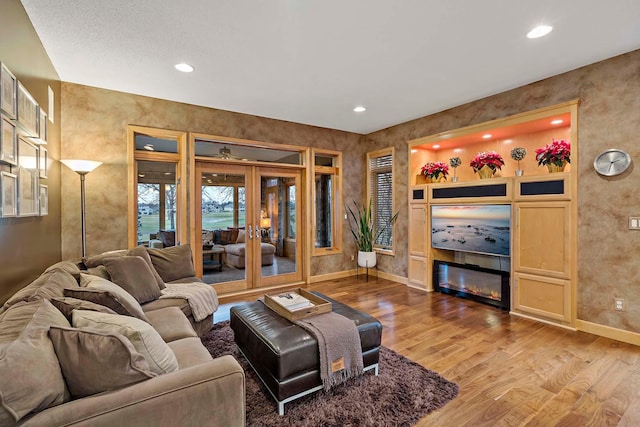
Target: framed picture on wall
{"x": 43, "y": 162}
{"x": 43, "y": 128}
{"x": 8, "y": 92}
{"x": 8, "y": 193}
{"x": 8, "y": 141}
{"x": 28, "y": 114}
{"x": 44, "y": 200}
{"x": 28, "y": 188}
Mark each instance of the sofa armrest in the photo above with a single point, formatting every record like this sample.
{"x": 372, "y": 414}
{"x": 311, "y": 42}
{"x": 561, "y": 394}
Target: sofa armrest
{"x": 212, "y": 393}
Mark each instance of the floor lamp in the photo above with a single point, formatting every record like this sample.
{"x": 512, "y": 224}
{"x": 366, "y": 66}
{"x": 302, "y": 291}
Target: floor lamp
{"x": 82, "y": 167}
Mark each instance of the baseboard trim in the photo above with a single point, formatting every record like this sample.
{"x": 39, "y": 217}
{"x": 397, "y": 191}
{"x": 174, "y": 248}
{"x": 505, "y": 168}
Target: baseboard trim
{"x": 548, "y": 322}
{"x": 331, "y": 276}
{"x": 419, "y": 288}
{"x": 608, "y": 332}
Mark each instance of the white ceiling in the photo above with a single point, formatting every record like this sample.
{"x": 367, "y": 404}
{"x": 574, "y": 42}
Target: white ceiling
{"x": 312, "y": 61}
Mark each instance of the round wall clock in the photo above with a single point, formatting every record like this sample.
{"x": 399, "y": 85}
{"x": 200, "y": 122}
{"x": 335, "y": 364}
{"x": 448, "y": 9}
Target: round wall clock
{"x": 612, "y": 162}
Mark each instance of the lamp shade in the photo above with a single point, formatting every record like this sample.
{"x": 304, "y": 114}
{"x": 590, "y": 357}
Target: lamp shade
{"x": 81, "y": 166}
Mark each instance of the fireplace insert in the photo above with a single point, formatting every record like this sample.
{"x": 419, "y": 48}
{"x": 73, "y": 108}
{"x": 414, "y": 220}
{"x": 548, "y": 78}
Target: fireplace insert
{"x": 471, "y": 281}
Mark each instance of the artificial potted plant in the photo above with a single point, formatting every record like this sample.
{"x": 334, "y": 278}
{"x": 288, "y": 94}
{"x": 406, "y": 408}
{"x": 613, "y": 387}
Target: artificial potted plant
{"x": 365, "y": 233}
{"x": 517, "y": 154}
{"x": 486, "y": 163}
{"x": 454, "y": 162}
{"x": 555, "y": 155}
{"x": 435, "y": 171}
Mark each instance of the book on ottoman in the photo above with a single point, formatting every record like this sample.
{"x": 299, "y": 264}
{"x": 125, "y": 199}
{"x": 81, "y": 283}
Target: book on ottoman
{"x": 297, "y": 304}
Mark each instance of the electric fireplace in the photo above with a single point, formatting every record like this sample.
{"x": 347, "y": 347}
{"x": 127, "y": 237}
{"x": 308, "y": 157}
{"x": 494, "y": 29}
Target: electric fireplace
{"x": 471, "y": 281}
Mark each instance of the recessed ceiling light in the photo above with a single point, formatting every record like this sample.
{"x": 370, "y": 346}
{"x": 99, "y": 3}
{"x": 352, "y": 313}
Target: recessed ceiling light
{"x": 141, "y": 175}
{"x": 185, "y": 68}
{"x": 556, "y": 121}
{"x": 167, "y": 173}
{"x": 413, "y": 151}
{"x": 539, "y": 31}
{"x": 458, "y": 150}
{"x": 486, "y": 136}
{"x": 359, "y": 109}
{"x": 436, "y": 146}
{"x": 508, "y": 141}
{"x": 148, "y": 147}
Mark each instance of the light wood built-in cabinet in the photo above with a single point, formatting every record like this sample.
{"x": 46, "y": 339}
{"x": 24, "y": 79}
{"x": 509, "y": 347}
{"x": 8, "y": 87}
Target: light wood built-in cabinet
{"x": 542, "y": 265}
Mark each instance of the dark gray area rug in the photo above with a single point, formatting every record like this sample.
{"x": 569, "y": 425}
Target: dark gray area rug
{"x": 403, "y": 393}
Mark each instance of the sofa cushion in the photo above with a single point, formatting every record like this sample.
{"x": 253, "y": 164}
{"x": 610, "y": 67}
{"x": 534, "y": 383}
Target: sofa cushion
{"x": 133, "y": 275}
{"x": 31, "y": 379}
{"x": 171, "y": 323}
{"x": 103, "y": 292}
{"x": 46, "y": 286}
{"x": 100, "y": 271}
{"x": 67, "y": 304}
{"x": 96, "y": 260}
{"x": 241, "y": 237}
{"x": 141, "y": 251}
{"x": 69, "y": 266}
{"x": 173, "y": 263}
{"x": 82, "y": 354}
{"x": 190, "y": 352}
{"x": 144, "y": 338}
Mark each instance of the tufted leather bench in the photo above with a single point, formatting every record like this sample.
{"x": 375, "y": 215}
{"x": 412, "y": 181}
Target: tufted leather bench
{"x": 285, "y": 356}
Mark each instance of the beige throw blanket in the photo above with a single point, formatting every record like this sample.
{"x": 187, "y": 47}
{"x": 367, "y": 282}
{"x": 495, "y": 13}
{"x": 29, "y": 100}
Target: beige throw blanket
{"x": 339, "y": 347}
{"x": 202, "y": 298}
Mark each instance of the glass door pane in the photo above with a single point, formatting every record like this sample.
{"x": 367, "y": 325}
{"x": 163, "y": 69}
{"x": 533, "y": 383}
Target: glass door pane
{"x": 224, "y": 257}
{"x": 279, "y": 245}
{"x": 157, "y": 203}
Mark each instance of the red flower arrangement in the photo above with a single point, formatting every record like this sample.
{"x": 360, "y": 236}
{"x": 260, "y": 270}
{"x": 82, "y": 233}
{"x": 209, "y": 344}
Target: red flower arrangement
{"x": 487, "y": 158}
{"x": 435, "y": 169}
{"x": 556, "y": 153}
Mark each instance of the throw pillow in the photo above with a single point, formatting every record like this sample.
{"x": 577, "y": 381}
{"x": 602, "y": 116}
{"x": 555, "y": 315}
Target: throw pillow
{"x": 141, "y": 251}
{"x": 173, "y": 263}
{"x": 66, "y": 305}
{"x": 103, "y": 292}
{"x": 133, "y": 275}
{"x": 31, "y": 379}
{"x": 241, "y": 237}
{"x": 45, "y": 286}
{"x": 96, "y": 260}
{"x": 145, "y": 339}
{"x": 100, "y": 271}
{"x": 82, "y": 355}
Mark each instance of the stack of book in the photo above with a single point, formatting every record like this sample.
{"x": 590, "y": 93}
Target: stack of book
{"x": 292, "y": 301}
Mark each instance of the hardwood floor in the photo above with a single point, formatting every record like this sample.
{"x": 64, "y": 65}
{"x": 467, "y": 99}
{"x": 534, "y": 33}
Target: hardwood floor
{"x": 511, "y": 371}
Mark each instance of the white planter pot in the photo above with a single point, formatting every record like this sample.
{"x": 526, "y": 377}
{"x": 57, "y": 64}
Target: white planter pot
{"x": 366, "y": 259}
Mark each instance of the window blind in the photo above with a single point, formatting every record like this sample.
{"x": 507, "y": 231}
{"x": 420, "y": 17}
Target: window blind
{"x": 381, "y": 181}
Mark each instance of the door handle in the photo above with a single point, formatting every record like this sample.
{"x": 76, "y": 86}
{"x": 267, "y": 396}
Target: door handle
{"x": 250, "y": 233}
{"x": 258, "y": 231}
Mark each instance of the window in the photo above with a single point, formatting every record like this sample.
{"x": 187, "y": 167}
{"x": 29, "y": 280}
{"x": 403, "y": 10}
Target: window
{"x": 327, "y": 229}
{"x": 380, "y": 192}
{"x": 156, "y": 200}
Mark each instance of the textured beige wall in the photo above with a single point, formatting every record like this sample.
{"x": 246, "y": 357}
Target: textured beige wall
{"x": 94, "y": 123}
{"x": 608, "y": 116}
{"x": 28, "y": 245}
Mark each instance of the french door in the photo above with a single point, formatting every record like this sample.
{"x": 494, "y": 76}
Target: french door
{"x": 251, "y": 229}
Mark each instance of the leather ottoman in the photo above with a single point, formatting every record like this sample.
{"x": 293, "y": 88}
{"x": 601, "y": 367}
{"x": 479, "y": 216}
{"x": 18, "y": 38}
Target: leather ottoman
{"x": 285, "y": 356}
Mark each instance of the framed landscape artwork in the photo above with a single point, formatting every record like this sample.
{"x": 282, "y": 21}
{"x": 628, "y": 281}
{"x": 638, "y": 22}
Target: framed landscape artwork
{"x": 8, "y": 91}
{"x": 28, "y": 114}
{"x": 8, "y": 148}
{"x": 28, "y": 189}
{"x": 8, "y": 193}
{"x": 44, "y": 200}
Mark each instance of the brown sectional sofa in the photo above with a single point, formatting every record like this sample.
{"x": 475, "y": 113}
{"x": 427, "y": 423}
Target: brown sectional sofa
{"x": 47, "y": 366}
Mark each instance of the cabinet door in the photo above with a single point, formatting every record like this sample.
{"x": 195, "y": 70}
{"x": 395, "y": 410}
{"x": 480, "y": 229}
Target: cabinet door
{"x": 417, "y": 229}
{"x": 418, "y": 272}
{"x": 542, "y": 239}
{"x": 542, "y": 297}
